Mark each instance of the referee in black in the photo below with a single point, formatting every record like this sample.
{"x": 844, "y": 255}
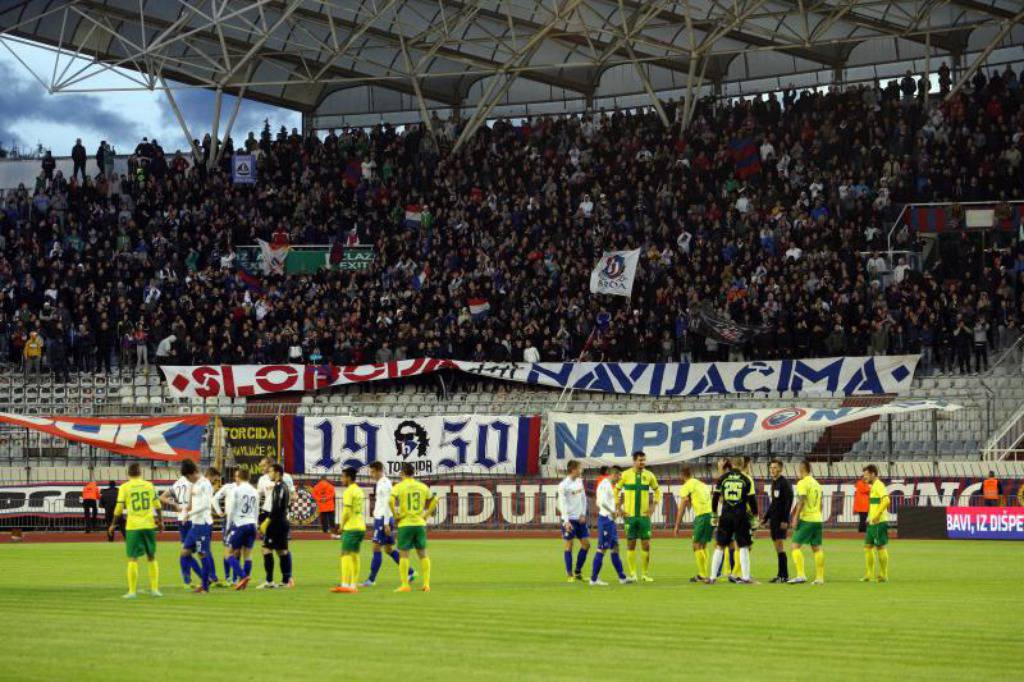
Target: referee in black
{"x": 277, "y": 531}
{"x": 776, "y": 517}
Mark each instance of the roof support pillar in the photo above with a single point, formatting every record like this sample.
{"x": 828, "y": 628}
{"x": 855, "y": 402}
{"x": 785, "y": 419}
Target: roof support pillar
{"x": 218, "y": 97}
{"x": 839, "y": 76}
{"x": 993, "y": 44}
{"x": 196, "y": 155}
{"x": 655, "y": 101}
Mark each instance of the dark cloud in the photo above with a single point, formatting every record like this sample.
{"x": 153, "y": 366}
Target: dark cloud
{"x": 26, "y": 100}
{"x": 196, "y": 106}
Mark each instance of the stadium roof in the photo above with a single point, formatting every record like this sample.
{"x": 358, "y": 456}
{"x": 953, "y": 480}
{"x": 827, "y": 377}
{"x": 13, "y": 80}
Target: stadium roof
{"x": 358, "y": 61}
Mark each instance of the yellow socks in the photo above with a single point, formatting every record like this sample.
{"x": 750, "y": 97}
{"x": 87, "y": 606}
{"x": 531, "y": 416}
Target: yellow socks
{"x": 798, "y": 561}
{"x": 424, "y": 570}
{"x": 154, "y": 575}
{"x": 631, "y": 561}
{"x": 647, "y": 561}
{"x": 700, "y": 556}
{"x": 353, "y": 567}
{"x": 403, "y": 571}
{"x": 869, "y": 562}
{"x": 344, "y": 569}
{"x": 133, "y": 576}
{"x": 883, "y": 562}
{"x": 819, "y": 565}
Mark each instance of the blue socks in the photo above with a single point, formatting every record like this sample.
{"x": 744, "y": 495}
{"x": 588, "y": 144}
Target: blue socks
{"x": 187, "y": 565}
{"x": 581, "y": 558}
{"x": 595, "y": 569}
{"x": 567, "y": 555}
{"x": 378, "y": 559}
{"x": 617, "y": 563}
{"x": 248, "y": 568}
{"x": 234, "y": 567}
{"x": 286, "y": 567}
{"x": 209, "y": 571}
{"x": 375, "y": 563}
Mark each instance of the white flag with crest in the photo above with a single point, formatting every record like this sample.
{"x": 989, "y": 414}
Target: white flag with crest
{"x": 615, "y": 272}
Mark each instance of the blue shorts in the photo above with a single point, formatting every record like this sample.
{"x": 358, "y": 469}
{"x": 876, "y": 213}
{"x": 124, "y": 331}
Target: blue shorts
{"x": 607, "y": 533}
{"x": 384, "y": 532}
{"x": 578, "y": 531}
{"x": 183, "y": 529}
{"x": 198, "y": 538}
{"x": 240, "y": 537}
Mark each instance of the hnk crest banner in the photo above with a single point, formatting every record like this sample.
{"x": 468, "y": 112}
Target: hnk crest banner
{"x": 480, "y": 444}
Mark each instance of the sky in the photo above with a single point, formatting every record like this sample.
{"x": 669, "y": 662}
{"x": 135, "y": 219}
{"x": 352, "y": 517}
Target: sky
{"x": 30, "y": 116}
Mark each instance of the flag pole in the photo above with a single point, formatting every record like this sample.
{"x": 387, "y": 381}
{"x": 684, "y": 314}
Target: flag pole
{"x": 568, "y": 390}
{"x": 564, "y": 396}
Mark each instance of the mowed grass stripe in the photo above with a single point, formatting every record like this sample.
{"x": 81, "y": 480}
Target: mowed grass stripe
{"x": 501, "y": 609}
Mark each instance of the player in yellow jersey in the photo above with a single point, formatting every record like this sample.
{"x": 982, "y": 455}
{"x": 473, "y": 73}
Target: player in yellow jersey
{"x": 695, "y": 493}
{"x": 876, "y": 540}
{"x": 807, "y": 520}
{"x": 353, "y": 530}
{"x": 634, "y": 502}
{"x": 412, "y": 503}
{"x": 137, "y": 499}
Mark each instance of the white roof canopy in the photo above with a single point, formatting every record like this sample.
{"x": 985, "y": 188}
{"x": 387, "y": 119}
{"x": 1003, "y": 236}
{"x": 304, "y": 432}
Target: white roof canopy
{"x": 357, "y": 61}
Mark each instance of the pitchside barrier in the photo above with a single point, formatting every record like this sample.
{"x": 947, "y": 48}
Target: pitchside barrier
{"x": 497, "y": 505}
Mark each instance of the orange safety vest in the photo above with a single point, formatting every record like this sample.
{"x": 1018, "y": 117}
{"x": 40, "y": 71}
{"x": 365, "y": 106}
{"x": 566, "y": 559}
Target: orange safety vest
{"x": 861, "y": 497}
{"x": 990, "y": 489}
{"x": 323, "y": 493}
{"x": 91, "y": 491}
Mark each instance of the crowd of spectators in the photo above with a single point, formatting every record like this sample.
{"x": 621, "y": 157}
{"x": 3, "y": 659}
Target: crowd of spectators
{"x": 105, "y": 271}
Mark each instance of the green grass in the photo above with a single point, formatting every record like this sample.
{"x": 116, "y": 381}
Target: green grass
{"x": 501, "y": 609}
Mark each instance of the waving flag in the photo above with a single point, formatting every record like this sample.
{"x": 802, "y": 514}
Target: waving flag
{"x": 615, "y": 272}
{"x": 413, "y": 216}
{"x": 273, "y": 257}
{"x": 478, "y": 308}
{"x": 353, "y": 173}
{"x": 250, "y": 282}
{"x": 746, "y": 157}
{"x": 419, "y": 280}
{"x": 170, "y": 439}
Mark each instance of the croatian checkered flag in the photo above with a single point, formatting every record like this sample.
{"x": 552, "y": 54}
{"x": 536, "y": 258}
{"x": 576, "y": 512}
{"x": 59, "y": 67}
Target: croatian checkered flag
{"x": 614, "y": 273}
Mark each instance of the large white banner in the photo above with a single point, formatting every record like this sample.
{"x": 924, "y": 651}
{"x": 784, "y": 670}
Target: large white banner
{"x": 810, "y": 377}
{"x": 482, "y": 444}
{"x": 678, "y": 436}
{"x": 614, "y": 273}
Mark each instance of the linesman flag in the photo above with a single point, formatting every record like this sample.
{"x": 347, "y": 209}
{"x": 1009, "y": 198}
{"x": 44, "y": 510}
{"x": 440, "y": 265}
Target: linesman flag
{"x": 614, "y": 273}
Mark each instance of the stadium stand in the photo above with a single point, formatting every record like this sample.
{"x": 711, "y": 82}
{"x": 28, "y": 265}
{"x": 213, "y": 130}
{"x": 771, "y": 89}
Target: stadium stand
{"x": 112, "y": 264}
{"x": 106, "y": 268}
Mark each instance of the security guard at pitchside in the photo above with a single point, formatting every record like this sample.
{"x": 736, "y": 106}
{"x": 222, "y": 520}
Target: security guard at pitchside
{"x": 992, "y": 490}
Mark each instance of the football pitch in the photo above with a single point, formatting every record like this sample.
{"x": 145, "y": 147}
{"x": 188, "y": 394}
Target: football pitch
{"x": 502, "y": 609}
